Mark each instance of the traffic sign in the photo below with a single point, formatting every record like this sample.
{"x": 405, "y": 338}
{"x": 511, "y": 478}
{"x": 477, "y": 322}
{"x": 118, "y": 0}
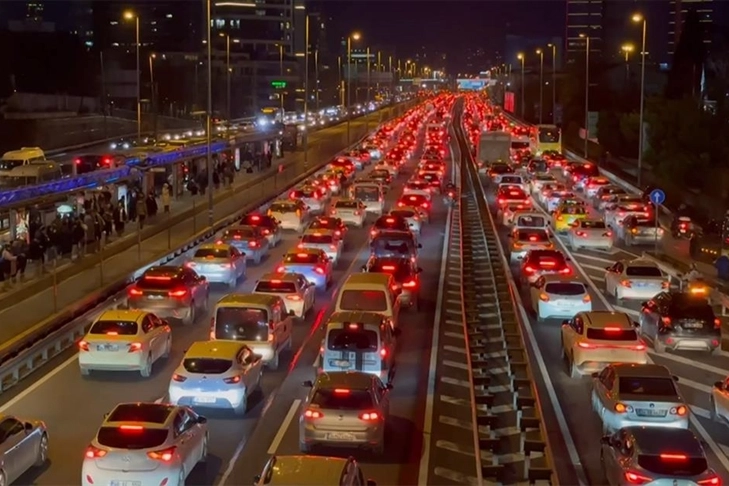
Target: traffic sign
{"x": 278, "y": 84}
{"x": 657, "y": 196}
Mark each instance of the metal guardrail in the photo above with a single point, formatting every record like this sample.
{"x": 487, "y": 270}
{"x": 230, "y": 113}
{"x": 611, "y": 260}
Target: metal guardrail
{"x": 512, "y": 437}
{"x": 32, "y": 349}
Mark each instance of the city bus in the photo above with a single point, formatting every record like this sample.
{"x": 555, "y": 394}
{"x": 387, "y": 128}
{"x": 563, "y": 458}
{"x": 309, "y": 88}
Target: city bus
{"x": 547, "y": 137}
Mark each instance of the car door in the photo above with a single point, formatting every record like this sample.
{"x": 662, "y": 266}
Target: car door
{"x": 603, "y": 390}
{"x": 238, "y": 260}
{"x": 306, "y": 291}
{"x": 611, "y": 276}
{"x": 575, "y": 329}
{"x": 721, "y": 399}
{"x": 661, "y": 310}
{"x": 15, "y": 444}
{"x": 382, "y": 397}
{"x": 244, "y": 361}
{"x": 535, "y": 290}
{"x": 185, "y": 440}
{"x": 150, "y": 335}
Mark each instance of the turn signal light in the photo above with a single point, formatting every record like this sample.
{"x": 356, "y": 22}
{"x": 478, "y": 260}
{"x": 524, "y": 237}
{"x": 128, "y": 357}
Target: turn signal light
{"x": 313, "y": 414}
{"x": 165, "y": 455}
{"x": 622, "y": 408}
{"x": 94, "y": 452}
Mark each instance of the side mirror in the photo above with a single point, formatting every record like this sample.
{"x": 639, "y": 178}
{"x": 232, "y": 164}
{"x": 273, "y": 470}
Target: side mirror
{"x": 609, "y": 269}
{"x": 308, "y": 383}
{"x": 397, "y": 332}
{"x": 203, "y": 278}
{"x": 28, "y": 427}
{"x": 364, "y": 268}
{"x": 594, "y": 375}
{"x": 636, "y": 324}
{"x": 644, "y": 304}
{"x": 606, "y": 439}
{"x": 675, "y": 378}
{"x": 202, "y": 420}
{"x": 719, "y": 385}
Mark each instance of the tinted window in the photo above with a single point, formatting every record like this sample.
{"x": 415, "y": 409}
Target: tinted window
{"x": 647, "y": 386}
{"x": 346, "y": 204}
{"x": 650, "y": 223}
{"x": 352, "y": 340}
{"x": 211, "y": 253}
{"x": 240, "y": 233}
{"x": 241, "y": 324}
{"x": 686, "y": 307}
{"x": 121, "y": 328}
{"x": 142, "y": 412}
{"x": 531, "y": 221}
{"x": 593, "y": 224}
{"x": 519, "y": 145}
{"x": 207, "y": 366}
{"x": 344, "y": 400}
{"x": 282, "y": 208}
{"x": 610, "y": 335}
{"x": 532, "y": 236}
{"x": 691, "y": 466}
{"x": 403, "y": 214}
{"x": 643, "y": 271}
{"x": 501, "y": 169}
{"x": 156, "y": 282}
{"x": 276, "y": 286}
{"x": 301, "y": 258}
{"x": 363, "y": 300}
{"x": 10, "y": 164}
{"x": 565, "y": 288}
{"x": 367, "y": 193}
{"x": 511, "y": 179}
{"x": 548, "y": 135}
{"x": 387, "y": 245}
{"x": 121, "y": 438}
{"x": 316, "y": 239}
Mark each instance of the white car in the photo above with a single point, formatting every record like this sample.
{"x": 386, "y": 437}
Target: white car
{"x": 625, "y": 206}
{"x": 297, "y": 293}
{"x": 217, "y": 374}
{"x": 146, "y": 443}
{"x": 325, "y": 240}
{"x": 352, "y": 212}
{"x": 125, "y": 340}
{"x": 292, "y": 214}
{"x": 417, "y": 188}
{"x": 635, "y": 280}
{"x": 594, "y": 184}
{"x": 720, "y": 402}
{"x": 312, "y": 197}
{"x": 412, "y": 215}
{"x": 540, "y": 180}
{"x": 510, "y": 211}
{"x": 555, "y": 199}
{"x": 219, "y": 263}
{"x": 593, "y": 340}
{"x": 515, "y": 180}
{"x": 590, "y": 233}
{"x": 543, "y": 195}
{"x": 559, "y": 296}
{"x": 389, "y": 166}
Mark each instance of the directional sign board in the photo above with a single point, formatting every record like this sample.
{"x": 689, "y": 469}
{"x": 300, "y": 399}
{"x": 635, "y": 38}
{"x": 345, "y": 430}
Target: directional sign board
{"x": 657, "y": 196}
{"x": 278, "y": 84}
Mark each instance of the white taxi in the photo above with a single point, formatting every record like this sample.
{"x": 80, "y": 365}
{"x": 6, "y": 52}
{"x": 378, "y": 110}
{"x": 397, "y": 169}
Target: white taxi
{"x": 297, "y": 293}
{"x": 417, "y": 188}
{"x": 635, "y": 280}
{"x": 124, "y": 340}
{"x": 292, "y": 214}
{"x": 352, "y": 212}
{"x": 323, "y": 239}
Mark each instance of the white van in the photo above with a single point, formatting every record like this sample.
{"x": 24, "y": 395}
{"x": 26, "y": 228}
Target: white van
{"x": 258, "y": 320}
{"x": 359, "y": 341}
{"x": 31, "y": 174}
{"x": 24, "y": 156}
{"x": 371, "y": 194}
{"x": 370, "y": 292}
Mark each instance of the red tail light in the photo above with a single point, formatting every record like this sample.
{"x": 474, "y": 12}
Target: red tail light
{"x": 94, "y": 452}
{"x": 266, "y": 232}
{"x": 529, "y": 269}
{"x": 425, "y": 205}
{"x": 712, "y": 481}
{"x": 383, "y": 353}
{"x": 585, "y": 345}
{"x": 717, "y": 323}
{"x": 300, "y": 246}
{"x": 683, "y": 226}
{"x": 410, "y": 284}
{"x": 666, "y": 321}
{"x": 135, "y": 347}
{"x": 319, "y": 270}
{"x": 178, "y": 378}
{"x": 83, "y": 346}
{"x": 566, "y": 271}
{"x": 178, "y": 293}
{"x": 313, "y": 414}
{"x": 369, "y": 416}
{"x": 232, "y": 380}
{"x": 135, "y": 292}
{"x": 252, "y": 244}
{"x": 77, "y": 161}
{"x": 635, "y": 478}
{"x": 280, "y": 269}
{"x": 296, "y": 298}
{"x": 164, "y": 455}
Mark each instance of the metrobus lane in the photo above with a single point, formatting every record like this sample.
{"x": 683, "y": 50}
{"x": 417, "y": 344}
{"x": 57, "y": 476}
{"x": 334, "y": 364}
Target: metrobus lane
{"x": 74, "y": 406}
{"x": 277, "y": 433}
{"x": 696, "y": 371}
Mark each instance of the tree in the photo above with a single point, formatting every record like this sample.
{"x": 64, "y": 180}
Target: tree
{"x": 688, "y": 60}
{"x": 608, "y": 132}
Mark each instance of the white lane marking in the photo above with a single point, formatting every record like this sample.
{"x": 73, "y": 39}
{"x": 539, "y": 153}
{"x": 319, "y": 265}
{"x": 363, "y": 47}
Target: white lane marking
{"x": 38, "y": 383}
{"x": 627, "y": 310}
{"x": 284, "y": 427}
{"x": 423, "y": 470}
{"x": 690, "y": 362}
{"x": 592, "y": 267}
{"x": 234, "y": 458}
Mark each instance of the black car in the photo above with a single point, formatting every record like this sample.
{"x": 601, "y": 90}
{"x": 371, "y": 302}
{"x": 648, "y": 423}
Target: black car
{"x": 405, "y": 273}
{"x": 398, "y": 244}
{"x": 389, "y": 223}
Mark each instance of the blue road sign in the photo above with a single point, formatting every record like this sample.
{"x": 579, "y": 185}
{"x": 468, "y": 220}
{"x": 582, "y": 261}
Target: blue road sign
{"x": 657, "y": 196}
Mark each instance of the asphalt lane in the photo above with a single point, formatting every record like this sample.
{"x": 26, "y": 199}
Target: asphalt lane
{"x": 696, "y": 371}
{"x": 277, "y": 433}
{"x": 73, "y": 406}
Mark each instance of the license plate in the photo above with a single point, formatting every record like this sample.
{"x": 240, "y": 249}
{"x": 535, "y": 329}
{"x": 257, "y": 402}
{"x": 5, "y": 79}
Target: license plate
{"x": 340, "y": 363}
{"x": 204, "y": 400}
{"x": 155, "y": 297}
{"x": 341, "y": 436}
{"x": 692, "y": 325}
{"x": 107, "y": 347}
{"x": 118, "y": 482}
{"x": 650, "y": 412}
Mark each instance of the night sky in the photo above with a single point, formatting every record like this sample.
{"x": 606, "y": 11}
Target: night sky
{"x": 449, "y": 26}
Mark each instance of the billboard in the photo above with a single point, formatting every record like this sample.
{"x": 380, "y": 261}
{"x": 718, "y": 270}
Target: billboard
{"x": 471, "y": 84}
{"x": 509, "y": 101}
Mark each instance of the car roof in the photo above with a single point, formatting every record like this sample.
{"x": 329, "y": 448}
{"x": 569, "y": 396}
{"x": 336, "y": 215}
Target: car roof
{"x": 243, "y": 227}
{"x": 319, "y": 232}
{"x": 130, "y": 412}
{"x": 561, "y": 278}
{"x": 367, "y": 278}
{"x": 641, "y": 370}
{"x": 654, "y": 440}
{"x": 355, "y": 380}
{"x": 313, "y": 251}
{"x": 284, "y": 277}
{"x": 306, "y": 470}
{"x": 167, "y": 270}
{"x": 248, "y": 299}
{"x": 128, "y": 315}
{"x": 213, "y": 349}
{"x": 603, "y": 319}
{"x": 214, "y": 246}
{"x": 363, "y": 317}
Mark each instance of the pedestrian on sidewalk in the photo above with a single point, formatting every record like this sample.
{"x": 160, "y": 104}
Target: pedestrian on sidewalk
{"x": 166, "y": 197}
{"x": 7, "y": 265}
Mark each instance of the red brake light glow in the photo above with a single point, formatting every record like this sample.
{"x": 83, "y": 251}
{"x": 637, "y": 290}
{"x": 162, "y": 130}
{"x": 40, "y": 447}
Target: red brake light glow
{"x": 178, "y": 293}
{"x": 369, "y": 416}
{"x": 131, "y": 428}
{"x": 313, "y": 414}
{"x": 165, "y": 455}
{"x": 388, "y": 267}
{"x": 342, "y": 391}
{"x": 410, "y": 284}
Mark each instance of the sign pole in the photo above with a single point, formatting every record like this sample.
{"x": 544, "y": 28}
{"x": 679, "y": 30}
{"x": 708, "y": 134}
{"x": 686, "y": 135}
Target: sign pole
{"x": 657, "y": 197}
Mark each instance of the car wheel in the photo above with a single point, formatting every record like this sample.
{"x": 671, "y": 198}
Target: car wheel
{"x": 273, "y": 364}
{"x": 190, "y": 315}
{"x": 205, "y": 303}
{"x": 204, "y": 453}
{"x": 42, "y": 451}
{"x": 146, "y": 372}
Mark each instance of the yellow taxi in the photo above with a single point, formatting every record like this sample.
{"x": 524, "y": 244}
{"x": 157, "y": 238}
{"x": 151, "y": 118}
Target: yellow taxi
{"x": 567, "y": 215}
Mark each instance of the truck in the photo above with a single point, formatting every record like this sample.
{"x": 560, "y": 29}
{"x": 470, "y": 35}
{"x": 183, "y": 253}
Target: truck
{"x": 493, "y": 147}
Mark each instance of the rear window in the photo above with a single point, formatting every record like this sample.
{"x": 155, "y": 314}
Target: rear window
{"x": 317, "y": 239}
{"x": 417, "y": 185}
{"x": 211, "y": 253}
{"x": 352, "y": 340}
{"x": 115, "y": 328}
{"x": 346, "y": 204}
{"x": 690, "y": 466}
{"x": 238, "y": 234}
{"x": 301, "y": 258}
{"x": 501, "y": 169}
{"x": 241, "y": 324}
{"x": 159, "y": 282}
{"x": 575, "y": 210}
{"x": 342, "y": 399}
{"x": 685, "y": 307}
{"x": 367, "y": 193}
{"x": 647, "y": 223}
{"x": 363, "y": 300}
{"x": 511, "y": 179}
{"x": 403, "y": 214}
{"x": 391, "y": 245}
{"x": 612, "y": 335}
{"x": 379, "y": 173}
{"x": 282, "y": 208}
{"x": 531, "y": 221}
{"x": 131, "y": 437}
{"x": 643, "y": 271}
{"x": 207, "y": 366}
{"x": 275, "y": 286}
{"x": 549, "y": 260}
{"x": 565, "y": 288}
{"x": 593, "y": 224}
{"x": 643, "y": 385}
{"x": 532, "y": 236}
{"x": 141, "y": 412}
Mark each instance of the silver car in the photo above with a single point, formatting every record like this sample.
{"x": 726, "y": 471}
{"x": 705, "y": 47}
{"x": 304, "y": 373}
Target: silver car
{"x": 643, "y": 395}
{"x": 345, "y": 409}
{"x": 411, "y": 215}
{"x": 249, "y": 240}
{"x": 657, "y": 456}
{"x": 24, "y": 445}
{"x": 219, "y": 262}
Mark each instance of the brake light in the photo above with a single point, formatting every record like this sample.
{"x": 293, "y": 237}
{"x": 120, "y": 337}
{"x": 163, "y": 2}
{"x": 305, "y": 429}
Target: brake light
{"x": 295, "y": 298}
{"x": 280, "y": 269}
{"x": 266, "y": 232}
{"x": 178, "y": 293}
{"x": 292, "y": 195}
{"x": 178, "y": 378}
{"x": 664, "y": 285}
{"x": 587, "y": 298}
{"x": 543, "y": 297}
{"x": 319, "y": 270}
{"x": 410, "y": 284}
{"x": 94, "y": 452}
{"x": 134, "y": 347}
{"x": 666, "y": 321}
{"x": 232, "y": 380}
{"x": 252, "y": 244}
{"x": 717, "y": 323}
{"x": 533, "y": 238}
{"x": 300, "y": 246}
{"x": 369, "y": 416}
{"x": 529, "y": 269}
{"x": 373, "y": 233}
{"x": 83, "y": 345}
{"x": 390, "y": 220}
{"x": 609, "y": 234}
{"x": 425, "y": 205}
{"x": 342, "y": 391}
{"x": 165, "y": 455}
{"x": 388, "y": 267}
{"x": 131, "y": 428}
{"x": 566, "y": 271}
{"x": 626, "y": 283}
{"x": 713, "y": 481}
{"x": 680, "y": 411}
{"x": 135, "y": 292}
{"x": 635, "y": 478}
{"x": 77, "y": 161}
{"x": 581, "y": 234}
{"x": 673, "y": 457}
{"x": 383, "y": 353}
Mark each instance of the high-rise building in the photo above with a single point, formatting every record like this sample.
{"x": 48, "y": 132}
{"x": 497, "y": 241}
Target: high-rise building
{"x": 707, "y": 10}
{"x": 584, "y": 18}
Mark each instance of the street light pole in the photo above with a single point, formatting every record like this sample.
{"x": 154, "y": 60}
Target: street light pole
{"x": 209, "y": 127}
{"x": 541, "y": 84}
{"x": 316, "y": 78}
{"x": 129, "y": 15}
{"x": 281, "y": 73}
{"x": 639, "y": 18}
{"x": 227, "y": 69}
{"x": 354, "y": 36}
{"x": 554, "y": 83}
{"x": 587, "y": 89}
{"x": 521, "y": 56}
{"x": 367, "y": 106}
{"x": 306, "y": 94}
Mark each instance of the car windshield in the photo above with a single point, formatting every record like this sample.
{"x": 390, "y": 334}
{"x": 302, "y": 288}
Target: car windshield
{"x": 611, "y": 334}
{"x": 241, "y": 324}
{"x": 363, "y": 300}
{"x": 392, "y": 245}
{"x": 207, "y": 366}
{"x": 276, "y": 287}
{"x": 643, "y": 271}
{"x": 673, "y": 465}
{"x": 565, "y": 288}
{"x": 511, "y": 179}
{"x": 647, "y": 386}
{"x": 316, "y": 239}
{"x": 531, "y": 221}
{"x": 115, "y": 328}
{"x": 352, "y": 340}
{"x": 342, "y": 399}
{"x": 211, "y": 253}
{"x": 301, "y": 258}
{"x": 131, "y": 437}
